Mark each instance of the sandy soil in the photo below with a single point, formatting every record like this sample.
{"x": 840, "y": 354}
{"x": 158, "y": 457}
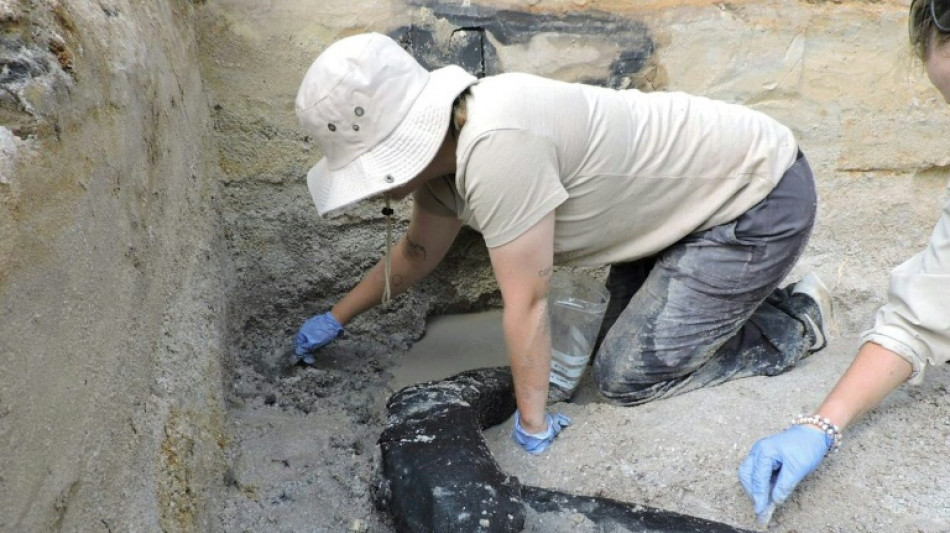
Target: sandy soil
{"x": 313, "y": 471}
{"x": 682, "y": 453}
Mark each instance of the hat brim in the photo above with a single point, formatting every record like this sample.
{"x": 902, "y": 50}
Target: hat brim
{"x": 398, "y": 158}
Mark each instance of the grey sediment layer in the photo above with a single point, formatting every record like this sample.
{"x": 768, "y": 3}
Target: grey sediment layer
{"x": 438, "y": 475}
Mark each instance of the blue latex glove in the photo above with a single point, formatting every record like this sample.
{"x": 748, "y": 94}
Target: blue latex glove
{"x": 536, "y": 443}
{"x": 316, "y": 332}
{"x": 776, "y": 465}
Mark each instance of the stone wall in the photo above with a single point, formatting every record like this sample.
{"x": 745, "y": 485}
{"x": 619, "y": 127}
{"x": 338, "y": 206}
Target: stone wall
{"x": 111, "y": 295}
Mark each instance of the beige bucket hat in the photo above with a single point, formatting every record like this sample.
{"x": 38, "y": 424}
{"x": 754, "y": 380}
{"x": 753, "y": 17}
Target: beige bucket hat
{"x": 376, "y": 113}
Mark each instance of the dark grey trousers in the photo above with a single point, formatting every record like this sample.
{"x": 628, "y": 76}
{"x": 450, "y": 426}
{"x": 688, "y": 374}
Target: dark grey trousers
{"x": 708, "y": 309}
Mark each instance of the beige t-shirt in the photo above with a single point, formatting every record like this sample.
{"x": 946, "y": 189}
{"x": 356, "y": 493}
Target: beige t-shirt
{"x": 627, "y": 173}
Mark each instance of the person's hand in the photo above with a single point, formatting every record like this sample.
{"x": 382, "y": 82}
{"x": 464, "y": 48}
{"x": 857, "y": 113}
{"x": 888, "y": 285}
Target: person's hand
{"x": 536, "y": 443}
{"x": 316, "y": 332}
{"x": 776, "y": 465}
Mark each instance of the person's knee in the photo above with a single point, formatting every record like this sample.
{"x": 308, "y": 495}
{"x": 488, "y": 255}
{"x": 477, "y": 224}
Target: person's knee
{"x": 621, "y": 392}
{"x": 606, "y": 380}
{"x": 632, "y": 377}
{"x": 620, "y": 385}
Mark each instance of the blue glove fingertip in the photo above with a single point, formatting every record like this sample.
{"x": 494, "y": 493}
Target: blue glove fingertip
{"x": 562, "y": 420}
{"x": 765, "y": 516}
{"x": 745, "y": 476}
{"x": 300, "y": 346}
{"x": 768, "y": 461}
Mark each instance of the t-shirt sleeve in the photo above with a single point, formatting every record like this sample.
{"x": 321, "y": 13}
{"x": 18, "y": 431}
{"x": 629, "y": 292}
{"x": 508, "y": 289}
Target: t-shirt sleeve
{"x": 511, "y": 181}
{"x": 438, "y": 197}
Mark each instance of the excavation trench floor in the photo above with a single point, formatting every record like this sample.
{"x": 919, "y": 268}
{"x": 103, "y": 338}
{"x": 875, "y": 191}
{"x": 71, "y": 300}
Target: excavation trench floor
{"x": 313, "y": 471}
{"x": 452, "y": 344}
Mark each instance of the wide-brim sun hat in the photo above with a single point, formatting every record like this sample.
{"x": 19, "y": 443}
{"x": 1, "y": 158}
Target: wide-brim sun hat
{"x": 378, "y": 116}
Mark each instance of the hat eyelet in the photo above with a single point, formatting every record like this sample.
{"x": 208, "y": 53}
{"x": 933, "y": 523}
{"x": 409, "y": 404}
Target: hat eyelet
{"x": 356, "y": 127}
{"x": 358, "y": 111}
{"x": 389, "y": 179}
{"x": 331, "y": 126}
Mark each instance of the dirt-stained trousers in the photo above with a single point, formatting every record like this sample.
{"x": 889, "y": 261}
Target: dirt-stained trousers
{"x": 708, "y": 309}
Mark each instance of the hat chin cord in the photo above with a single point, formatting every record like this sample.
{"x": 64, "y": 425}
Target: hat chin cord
{"x": 388, "y": 261}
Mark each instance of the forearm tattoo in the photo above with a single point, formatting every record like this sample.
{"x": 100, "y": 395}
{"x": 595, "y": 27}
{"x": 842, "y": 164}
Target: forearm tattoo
{"x": 545, "y": 272}
{"x": 415, "y": 250}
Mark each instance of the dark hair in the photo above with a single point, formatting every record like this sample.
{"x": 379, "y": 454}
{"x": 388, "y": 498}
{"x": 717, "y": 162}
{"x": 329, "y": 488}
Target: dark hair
{"x": 922, "y": 30}
{"x": 460, "y": 112}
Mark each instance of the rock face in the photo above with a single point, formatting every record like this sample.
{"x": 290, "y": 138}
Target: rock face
{"x": 155, "y": 226}
{"x": 112, "y": 297}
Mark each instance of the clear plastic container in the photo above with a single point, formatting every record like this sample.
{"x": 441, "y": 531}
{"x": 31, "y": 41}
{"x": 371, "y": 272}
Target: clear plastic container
{"x": 577, "y": 303}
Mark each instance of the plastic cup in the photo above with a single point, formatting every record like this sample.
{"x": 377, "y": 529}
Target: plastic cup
{"x": 577, "y": 303}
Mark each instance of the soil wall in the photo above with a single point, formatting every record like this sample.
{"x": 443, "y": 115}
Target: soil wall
{"x": 112, "y": 298}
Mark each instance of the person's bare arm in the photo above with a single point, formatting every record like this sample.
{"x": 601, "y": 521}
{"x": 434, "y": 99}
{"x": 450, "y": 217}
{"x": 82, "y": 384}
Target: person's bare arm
{"x": 874, "y": 373}
{"x": 413, "y": 258}
{"x": 523, "y": 268}
{"x": 777, "y": 464}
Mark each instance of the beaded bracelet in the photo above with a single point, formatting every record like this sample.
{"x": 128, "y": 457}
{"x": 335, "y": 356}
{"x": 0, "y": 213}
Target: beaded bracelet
{"x": 826, "y": 426}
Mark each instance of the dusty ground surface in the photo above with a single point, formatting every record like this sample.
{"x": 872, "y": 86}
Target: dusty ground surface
{"x": 303, "y": 439}
{"x": 305, "y": 455}
{"x": 682, "y": 453}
